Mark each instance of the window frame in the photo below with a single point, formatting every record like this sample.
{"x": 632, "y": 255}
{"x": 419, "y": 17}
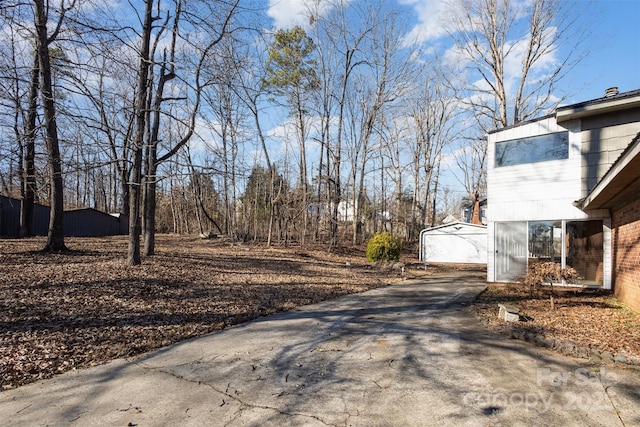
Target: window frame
{"x": 546, "y": 147}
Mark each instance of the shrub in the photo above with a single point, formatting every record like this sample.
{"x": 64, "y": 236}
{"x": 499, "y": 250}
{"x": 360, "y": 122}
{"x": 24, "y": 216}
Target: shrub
{"x": 539, "y": 274}
{"x": 383, "y": 247}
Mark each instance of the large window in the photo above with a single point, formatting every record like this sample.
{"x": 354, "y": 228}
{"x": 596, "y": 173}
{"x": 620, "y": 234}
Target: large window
{"x": 585, "y": 241}
{"x": 577, "y": 244}
{"x": 552, "y": 146}
{"x": 545, "y": 241}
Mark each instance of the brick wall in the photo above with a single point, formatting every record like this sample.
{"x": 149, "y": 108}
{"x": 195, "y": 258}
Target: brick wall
{"x": 626, "y": 253}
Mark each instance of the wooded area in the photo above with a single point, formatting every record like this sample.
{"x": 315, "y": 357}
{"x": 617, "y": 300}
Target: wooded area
{"x": 195, "y": 117}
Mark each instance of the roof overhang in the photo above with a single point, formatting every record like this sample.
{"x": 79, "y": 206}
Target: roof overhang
{"x": 456, "y": 225}
{"x": 604, "y": 106}
{"x": 620, "y": 183}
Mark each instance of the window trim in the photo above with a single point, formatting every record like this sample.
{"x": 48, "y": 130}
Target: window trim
{"x": 542, "y": 156}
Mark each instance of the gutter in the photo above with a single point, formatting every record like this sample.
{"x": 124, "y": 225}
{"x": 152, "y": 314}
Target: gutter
{"x": 577, "y": 111}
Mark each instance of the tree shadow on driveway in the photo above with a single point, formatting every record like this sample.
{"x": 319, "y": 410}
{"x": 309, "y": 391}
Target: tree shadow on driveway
{"x": 401, "y": 355}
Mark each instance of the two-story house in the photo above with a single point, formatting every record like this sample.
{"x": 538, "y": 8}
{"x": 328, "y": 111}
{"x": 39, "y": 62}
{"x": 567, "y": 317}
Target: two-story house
{"x": 566, "y": 188}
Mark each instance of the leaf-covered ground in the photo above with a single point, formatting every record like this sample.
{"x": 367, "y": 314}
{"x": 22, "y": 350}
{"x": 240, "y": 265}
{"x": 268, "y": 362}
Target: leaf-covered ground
{"x": 65, "y": 311}
{"x": 590, "y": 319}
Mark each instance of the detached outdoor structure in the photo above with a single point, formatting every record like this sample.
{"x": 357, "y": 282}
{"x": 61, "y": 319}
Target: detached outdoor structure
{"x": 565, "y": 188}
{"x": 455, "y": 242}
{"x": 86, "y": 222}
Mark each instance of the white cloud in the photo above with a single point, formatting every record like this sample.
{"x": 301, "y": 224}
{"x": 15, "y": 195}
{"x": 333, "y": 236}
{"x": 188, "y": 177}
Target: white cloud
{"x": 284, "y": 131}
{"x": 289, "y": 13}
{"x": 449, "y": 158}
{"x": 453, "y": 58}
{"x": 432, "y": 17}
{"x": 513, "y": 65}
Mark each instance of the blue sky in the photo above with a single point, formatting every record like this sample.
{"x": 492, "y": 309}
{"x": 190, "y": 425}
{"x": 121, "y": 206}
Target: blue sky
{"x": 613, "y": 44}
{"x": 615, "y": 51}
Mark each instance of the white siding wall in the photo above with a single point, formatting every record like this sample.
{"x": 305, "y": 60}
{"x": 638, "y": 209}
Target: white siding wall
{"x": 538, "y": 191}
{"x": 535, "y": 191}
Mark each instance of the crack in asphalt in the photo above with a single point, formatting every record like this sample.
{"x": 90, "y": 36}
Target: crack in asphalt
{"x": 610, "y": 397}
{"x": 243, "y": 404}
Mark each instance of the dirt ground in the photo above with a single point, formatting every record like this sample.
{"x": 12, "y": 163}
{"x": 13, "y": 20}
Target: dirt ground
{"x": 69, "y": 311}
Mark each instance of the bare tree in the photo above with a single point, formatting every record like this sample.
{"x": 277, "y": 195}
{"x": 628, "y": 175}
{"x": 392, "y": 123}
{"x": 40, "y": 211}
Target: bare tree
{"x": 229, "y": 107}
{"x": 513, "y": 63}
{"x": 104, "y": 115}
{"x": 251, "y": 73}
{"x": 135, "y": 192}
{"x": 55, "y": 237}
{"x": 20, "y": 104}
{"x": 201, "y": 186}
{"x": 343, "y": 36}
{"x": 393, "y": 134}
{"x": 40, "y": 37}
{"x": 387, "y": 78}
{"x": 29, "y": 157}
{"x": 472, "y": 162}
{"x": 432, "y": 121}
{"x": 491, "y": 37}
{"x": 151, "y": 97}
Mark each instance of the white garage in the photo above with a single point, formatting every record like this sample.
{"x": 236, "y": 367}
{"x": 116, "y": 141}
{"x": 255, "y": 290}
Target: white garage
{"x": 457, "y": 242}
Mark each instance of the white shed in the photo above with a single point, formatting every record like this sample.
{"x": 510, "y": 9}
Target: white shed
{"x": 456, "y": 242}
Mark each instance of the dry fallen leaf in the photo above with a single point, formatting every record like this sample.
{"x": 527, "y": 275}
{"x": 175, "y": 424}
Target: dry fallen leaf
{"x": 590, "y": 319}
{"x": 65, "y": 311}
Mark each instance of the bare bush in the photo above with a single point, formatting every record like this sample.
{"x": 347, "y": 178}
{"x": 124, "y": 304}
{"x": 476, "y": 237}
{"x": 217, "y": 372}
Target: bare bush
{"x": 548, "y": 273}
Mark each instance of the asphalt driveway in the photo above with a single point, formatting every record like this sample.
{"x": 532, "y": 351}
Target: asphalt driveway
{"x": 397, "y": 356}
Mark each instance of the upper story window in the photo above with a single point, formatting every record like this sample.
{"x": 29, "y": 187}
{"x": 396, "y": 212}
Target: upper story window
{"x": 552, "y": 146}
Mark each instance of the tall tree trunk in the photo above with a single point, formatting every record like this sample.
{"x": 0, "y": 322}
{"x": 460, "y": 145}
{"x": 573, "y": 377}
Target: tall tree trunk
{"x": 152, "y": 168}
{"x": 55, "y": 236}
{"x": 135, "y": 190}
{"x": 337, "y": 160}
{"x": 252, "y": 104}
{"x": 150, "y": 206}
{"x": 124, "y": 201}
{"x": 29, "y": 167}
{"x": 303, "y": 171}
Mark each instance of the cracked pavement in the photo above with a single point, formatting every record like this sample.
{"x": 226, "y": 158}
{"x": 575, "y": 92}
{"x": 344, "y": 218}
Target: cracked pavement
{"x": 402, "y": 355}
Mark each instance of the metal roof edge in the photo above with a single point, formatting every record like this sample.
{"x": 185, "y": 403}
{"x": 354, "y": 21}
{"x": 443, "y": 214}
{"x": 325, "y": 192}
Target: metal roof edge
{"x": 605, "y": 104}
{"x": 450, "y": 224}
{"x": 623, "y": 101}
